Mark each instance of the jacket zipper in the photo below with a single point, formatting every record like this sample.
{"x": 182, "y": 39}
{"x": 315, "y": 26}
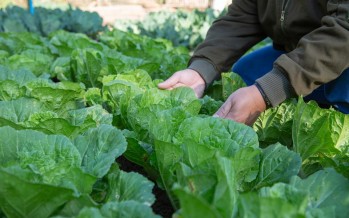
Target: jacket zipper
{"x": 282, "y": 17}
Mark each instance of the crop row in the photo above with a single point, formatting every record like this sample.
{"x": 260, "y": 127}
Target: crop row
{"x": 71, "y": 105}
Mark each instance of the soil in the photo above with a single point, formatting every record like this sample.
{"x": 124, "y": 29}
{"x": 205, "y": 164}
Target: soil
{"x": 162, "y": 205}
{"x": 113, "y": 10}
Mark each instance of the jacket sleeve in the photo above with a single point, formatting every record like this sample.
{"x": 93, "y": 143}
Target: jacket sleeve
{"x": 320, "y": 56}
{"x": 227, "y": 40}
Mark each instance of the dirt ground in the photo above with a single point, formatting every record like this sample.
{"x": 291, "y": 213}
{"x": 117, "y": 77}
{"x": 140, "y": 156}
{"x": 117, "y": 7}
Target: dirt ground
{"x": 112, "y": 12}
{"x": 162, "y": 205}
{"x": 121, "y": 12}
{"x": 109, "y": 10}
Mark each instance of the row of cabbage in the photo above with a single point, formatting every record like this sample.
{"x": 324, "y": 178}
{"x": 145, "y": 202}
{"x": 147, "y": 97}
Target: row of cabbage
{"x": 58, "y": 150}
{"x": 45, "y": 21}
{"x": 181, "y": 27}
{"x": 71, "y": 105}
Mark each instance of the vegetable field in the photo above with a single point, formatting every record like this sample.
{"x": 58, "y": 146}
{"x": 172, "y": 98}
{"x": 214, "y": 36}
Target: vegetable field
{"x": 75, "y": 108}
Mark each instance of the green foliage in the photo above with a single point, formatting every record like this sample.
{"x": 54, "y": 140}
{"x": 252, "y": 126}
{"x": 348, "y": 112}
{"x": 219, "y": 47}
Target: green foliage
{"x": 274, "y": 125}
{"x": 316, "y": 196}
{"x": 46, "y": 21}
{"x": 119, "y": 210}
{"x": 159, "y": 57}
{"x": 70, "y": 106}
{"x": 319, "y": 135}
{"x": 181, "y": 27}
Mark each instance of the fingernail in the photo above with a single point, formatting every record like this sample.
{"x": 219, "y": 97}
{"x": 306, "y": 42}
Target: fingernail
{"x": 215, "y": 115}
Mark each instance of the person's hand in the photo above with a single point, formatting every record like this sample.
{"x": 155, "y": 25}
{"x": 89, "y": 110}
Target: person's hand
{"x": 186, "y": 77}
{"x": 244, "y": 105}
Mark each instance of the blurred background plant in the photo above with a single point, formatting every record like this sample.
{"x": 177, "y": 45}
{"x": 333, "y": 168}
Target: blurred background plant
{"x": 183, "y": 22}
{"x": 183, "y": 28}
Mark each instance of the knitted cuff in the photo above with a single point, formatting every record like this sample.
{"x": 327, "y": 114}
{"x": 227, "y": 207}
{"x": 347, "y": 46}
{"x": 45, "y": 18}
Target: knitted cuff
{"x": 205, "y": 69}
{"x": 276, "y": 87}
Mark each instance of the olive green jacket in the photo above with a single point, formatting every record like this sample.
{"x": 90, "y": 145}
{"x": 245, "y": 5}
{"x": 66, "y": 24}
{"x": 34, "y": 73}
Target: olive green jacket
{"x": 314, "y": 34}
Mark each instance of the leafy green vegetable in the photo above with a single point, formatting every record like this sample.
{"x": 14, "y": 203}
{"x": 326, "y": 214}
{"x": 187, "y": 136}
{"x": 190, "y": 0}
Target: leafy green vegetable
{"x": 278, "y": 164}
{"x": 327, "y": 190}
{"x": 21, "y": 77}
{"x": 129, "y": 186}
{"x": 10, "y": 90}
{"x": 65, "y": 42}
{"x": 193, "y": 206}
{"x": 56, "y": 136}
{"x": 230, "y": 83}
{"x": 320, "y": 135}
{"x": 149, "y": 111}
{"x": 119, "y": 90}
{"x": 99, "y": 147}
{"x": 45, "y": 21}
{"x": 322, "y": 194}
{"x": 275, "y": 125}
{"x": 222, "y": 134}
{"x": 55, "y": 96}
{"x": 209, "y": 105}
{"x": 147, "y": 49}
{"x": 34, "y": 61}
{"x": 182, "y": 28}
{"x": 119, "y": 210}
{"x": 33, "y": 163}
{"x": 37, "y": 199}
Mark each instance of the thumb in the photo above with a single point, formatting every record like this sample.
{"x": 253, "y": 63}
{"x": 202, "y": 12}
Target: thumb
{"x": 223, "y": 110}
{"x": 170, "y": 82}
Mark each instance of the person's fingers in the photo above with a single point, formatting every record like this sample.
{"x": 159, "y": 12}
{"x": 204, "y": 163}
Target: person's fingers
{"x": 176, "y": 86}
{"x": 170, "y": 82}
{"x": 223, "y": 110}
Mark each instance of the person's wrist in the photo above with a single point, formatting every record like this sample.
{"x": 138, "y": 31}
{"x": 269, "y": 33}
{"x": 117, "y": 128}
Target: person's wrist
{"x": 197, "y": 75}
{"x": 264, "y": 96}
{"x": 259, "y": 99}
{"x": 205, "y": 69}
